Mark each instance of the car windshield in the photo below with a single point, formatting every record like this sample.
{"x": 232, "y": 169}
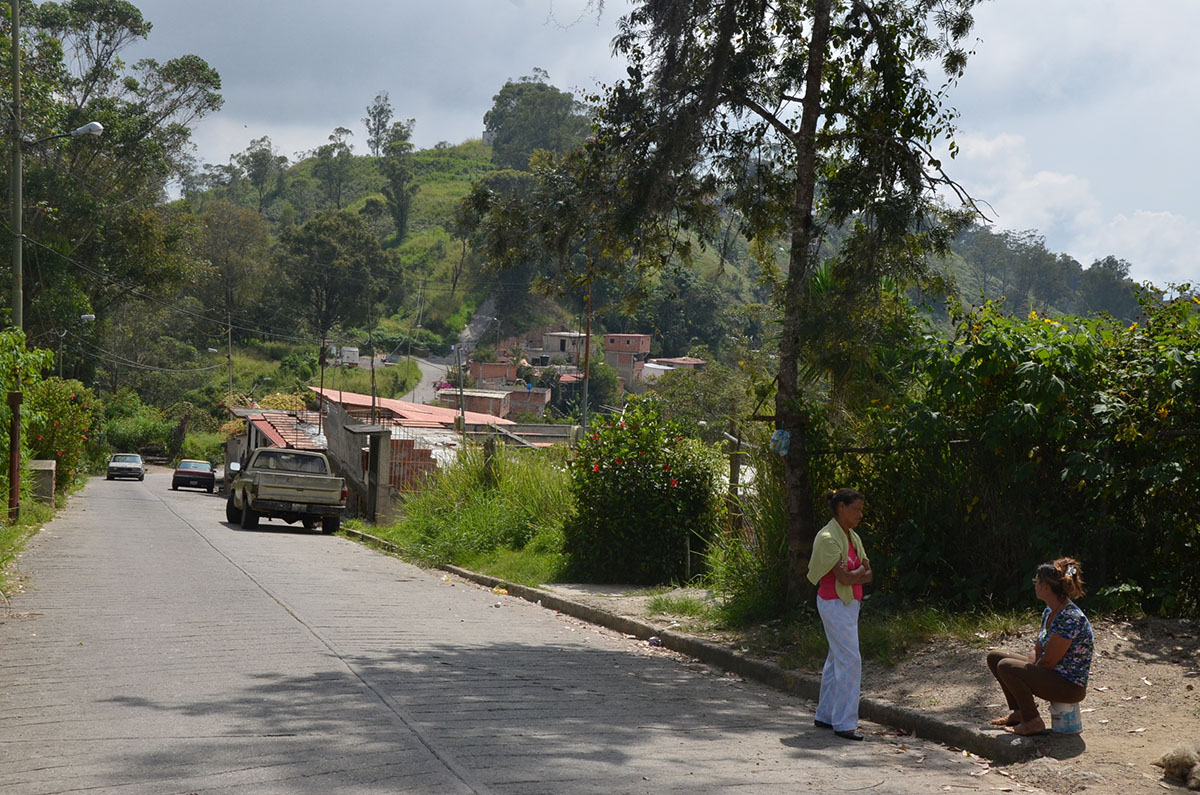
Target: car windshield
{"x": 127, "y": 459}
{"x": 290, "y": 462}
{"x": 200, "y": 465}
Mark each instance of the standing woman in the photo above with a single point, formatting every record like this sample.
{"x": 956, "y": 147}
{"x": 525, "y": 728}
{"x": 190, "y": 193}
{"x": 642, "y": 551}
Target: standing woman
{"x": 1057, "y": 668}
{"x": 839, "y": 568}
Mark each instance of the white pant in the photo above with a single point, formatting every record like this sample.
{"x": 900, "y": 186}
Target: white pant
{"x": 841, "y": 677}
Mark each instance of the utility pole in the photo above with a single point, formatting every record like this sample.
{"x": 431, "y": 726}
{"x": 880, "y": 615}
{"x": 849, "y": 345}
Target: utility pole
{"x": 587, "y": 350}
{"x": 462, "y": 401}
{"x": 18, "y": 292}
{"x": 15, "y": 176}
{"x": 412, "y": 332}
{"x": 229, "y": 345}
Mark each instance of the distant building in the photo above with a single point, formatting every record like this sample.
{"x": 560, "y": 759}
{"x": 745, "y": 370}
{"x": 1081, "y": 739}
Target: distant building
{"x": 565, "y": 344}
{"x": 498, "y": 373}
{"x": 626, "y": 353}
{"x": 483, "y": 401}
{"x": 681, "y": 362}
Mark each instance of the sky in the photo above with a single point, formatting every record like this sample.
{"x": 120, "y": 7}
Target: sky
{"x": 1075, "y": 115}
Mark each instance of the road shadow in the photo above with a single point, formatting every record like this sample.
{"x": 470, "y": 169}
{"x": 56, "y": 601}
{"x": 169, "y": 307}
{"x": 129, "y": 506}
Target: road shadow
{"x": 572, "y": 714}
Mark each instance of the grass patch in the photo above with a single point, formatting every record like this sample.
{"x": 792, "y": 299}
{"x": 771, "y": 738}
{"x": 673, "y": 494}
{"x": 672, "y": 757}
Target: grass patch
{"x": 503, "y": 519}
{"x": 520, "y": 567}
{"x": 391, "y": 381}
{"x": 684, "y": 606}
{"x": 13, "y": 537}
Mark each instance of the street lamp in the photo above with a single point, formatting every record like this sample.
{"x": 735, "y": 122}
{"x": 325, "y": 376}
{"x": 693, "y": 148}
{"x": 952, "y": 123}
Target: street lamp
{"x": 15, "y": 184}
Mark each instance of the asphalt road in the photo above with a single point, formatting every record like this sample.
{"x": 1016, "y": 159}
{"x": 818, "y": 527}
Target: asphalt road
{"x": 157, "y": 649}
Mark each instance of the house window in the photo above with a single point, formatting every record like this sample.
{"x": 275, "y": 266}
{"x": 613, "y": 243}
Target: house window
{"x": 562, "y": 345}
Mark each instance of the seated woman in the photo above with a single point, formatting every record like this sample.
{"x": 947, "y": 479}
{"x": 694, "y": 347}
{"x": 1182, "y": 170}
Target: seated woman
{"x": 1057, "y": 668}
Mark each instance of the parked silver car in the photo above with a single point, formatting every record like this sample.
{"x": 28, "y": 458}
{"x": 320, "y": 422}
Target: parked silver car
{"x": 126, "y": 465}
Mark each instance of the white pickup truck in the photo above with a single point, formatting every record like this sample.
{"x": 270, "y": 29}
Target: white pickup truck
{"x": 292, "y": 485}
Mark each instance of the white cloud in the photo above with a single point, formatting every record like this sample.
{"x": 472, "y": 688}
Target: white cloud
{"x": 1161, "y": 246}
{"x": 999, "y": 170}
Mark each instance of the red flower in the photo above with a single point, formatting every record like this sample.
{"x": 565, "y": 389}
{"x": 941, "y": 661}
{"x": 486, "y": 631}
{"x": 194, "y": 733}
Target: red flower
{"x": 674, "y": 482}
{"x": 595, "y": 467}
{"x": 39, "y": 438}
{"x": 56, "y": 423}
{"x": 60, "y": 452}
{"x": 666, "y": 467}
{"x": 85, "y": 438}
{"x": 619, "y": 461}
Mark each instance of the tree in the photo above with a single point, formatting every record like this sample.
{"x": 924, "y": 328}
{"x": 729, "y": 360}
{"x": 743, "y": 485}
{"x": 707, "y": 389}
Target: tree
{"x": 332, "y": 168}
{"x": 332, "y": 267}
{"x": 1106, "y": 287}
{"x": 234, "y": 241}
{"x": 378, "y": 122}
{"x": 99, "y": 232}
{"x": 818, "y": 116}
{"x": 685, "y": 310}
{"x": 396, "y": 167}
{"x": 263, "y": 166}
{"x": 531, "y": 114}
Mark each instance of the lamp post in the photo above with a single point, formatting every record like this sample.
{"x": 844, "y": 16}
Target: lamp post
{"x": 18, "y": 293}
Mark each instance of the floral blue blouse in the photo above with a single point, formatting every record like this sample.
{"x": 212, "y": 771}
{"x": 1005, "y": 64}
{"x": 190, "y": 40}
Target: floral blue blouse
{"x": 1073, "y": 625}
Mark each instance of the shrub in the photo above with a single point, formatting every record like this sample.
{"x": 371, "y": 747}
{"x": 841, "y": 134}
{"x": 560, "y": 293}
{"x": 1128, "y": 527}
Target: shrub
{"x": 749, "y": 566}
{"x": 477, "y": 507}
{"x": 644, "y": 495}
{"x": 204, "y": 446}
{"x": 61, "y": 416}
{"x": 133, "y": 427}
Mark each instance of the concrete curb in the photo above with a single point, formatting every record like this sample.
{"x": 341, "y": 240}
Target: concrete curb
{"x": 995, "y": 745}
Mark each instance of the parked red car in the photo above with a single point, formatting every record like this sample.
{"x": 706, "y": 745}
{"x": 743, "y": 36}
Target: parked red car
{"x": 195, "y": 474}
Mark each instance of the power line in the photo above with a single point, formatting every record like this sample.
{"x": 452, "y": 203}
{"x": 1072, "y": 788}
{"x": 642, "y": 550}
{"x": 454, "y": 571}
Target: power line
{"x": 114, "y": 358}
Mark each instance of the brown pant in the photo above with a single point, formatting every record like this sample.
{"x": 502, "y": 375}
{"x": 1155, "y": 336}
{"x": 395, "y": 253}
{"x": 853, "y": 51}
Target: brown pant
{"x": 1021, "y": 680}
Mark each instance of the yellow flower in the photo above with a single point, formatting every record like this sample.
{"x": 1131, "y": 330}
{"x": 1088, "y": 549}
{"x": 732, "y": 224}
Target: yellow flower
{"x": 1197, "y": 300}
{"x": 1131, "y": 328}
{"x": 1162, "y": 412}
{"x": 1033, "y": 314}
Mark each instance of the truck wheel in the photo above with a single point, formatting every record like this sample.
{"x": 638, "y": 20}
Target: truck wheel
{"x": 308, "y": 523}
{"x": 231, "y": 511}
{"x": 330, "y": 524}
{"x": 249, "y": 516}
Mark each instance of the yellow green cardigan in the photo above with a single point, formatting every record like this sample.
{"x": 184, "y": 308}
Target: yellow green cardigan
{"x": 831, "y": 547}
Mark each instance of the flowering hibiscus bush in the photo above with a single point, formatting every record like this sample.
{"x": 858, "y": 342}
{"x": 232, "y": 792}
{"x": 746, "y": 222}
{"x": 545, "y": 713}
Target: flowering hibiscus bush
{"x": 61, "y": 423}
{"x": 645, "y": 496}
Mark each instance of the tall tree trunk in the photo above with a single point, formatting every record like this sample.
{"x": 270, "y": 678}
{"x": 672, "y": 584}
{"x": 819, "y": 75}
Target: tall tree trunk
{"x": 788, "y": 412}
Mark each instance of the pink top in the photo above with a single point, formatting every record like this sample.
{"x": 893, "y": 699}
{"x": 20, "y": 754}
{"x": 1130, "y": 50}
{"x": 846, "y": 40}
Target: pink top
{"x": 827, "y": 587}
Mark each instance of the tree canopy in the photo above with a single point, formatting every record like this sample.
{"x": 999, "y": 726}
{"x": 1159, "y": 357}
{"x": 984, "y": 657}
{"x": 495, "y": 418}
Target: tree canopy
{"x": 810, "y": 116}
{"x": 530, "y": 114}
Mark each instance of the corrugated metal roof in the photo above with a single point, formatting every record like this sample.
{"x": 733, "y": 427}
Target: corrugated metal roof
{"x": 404, "y": 410}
